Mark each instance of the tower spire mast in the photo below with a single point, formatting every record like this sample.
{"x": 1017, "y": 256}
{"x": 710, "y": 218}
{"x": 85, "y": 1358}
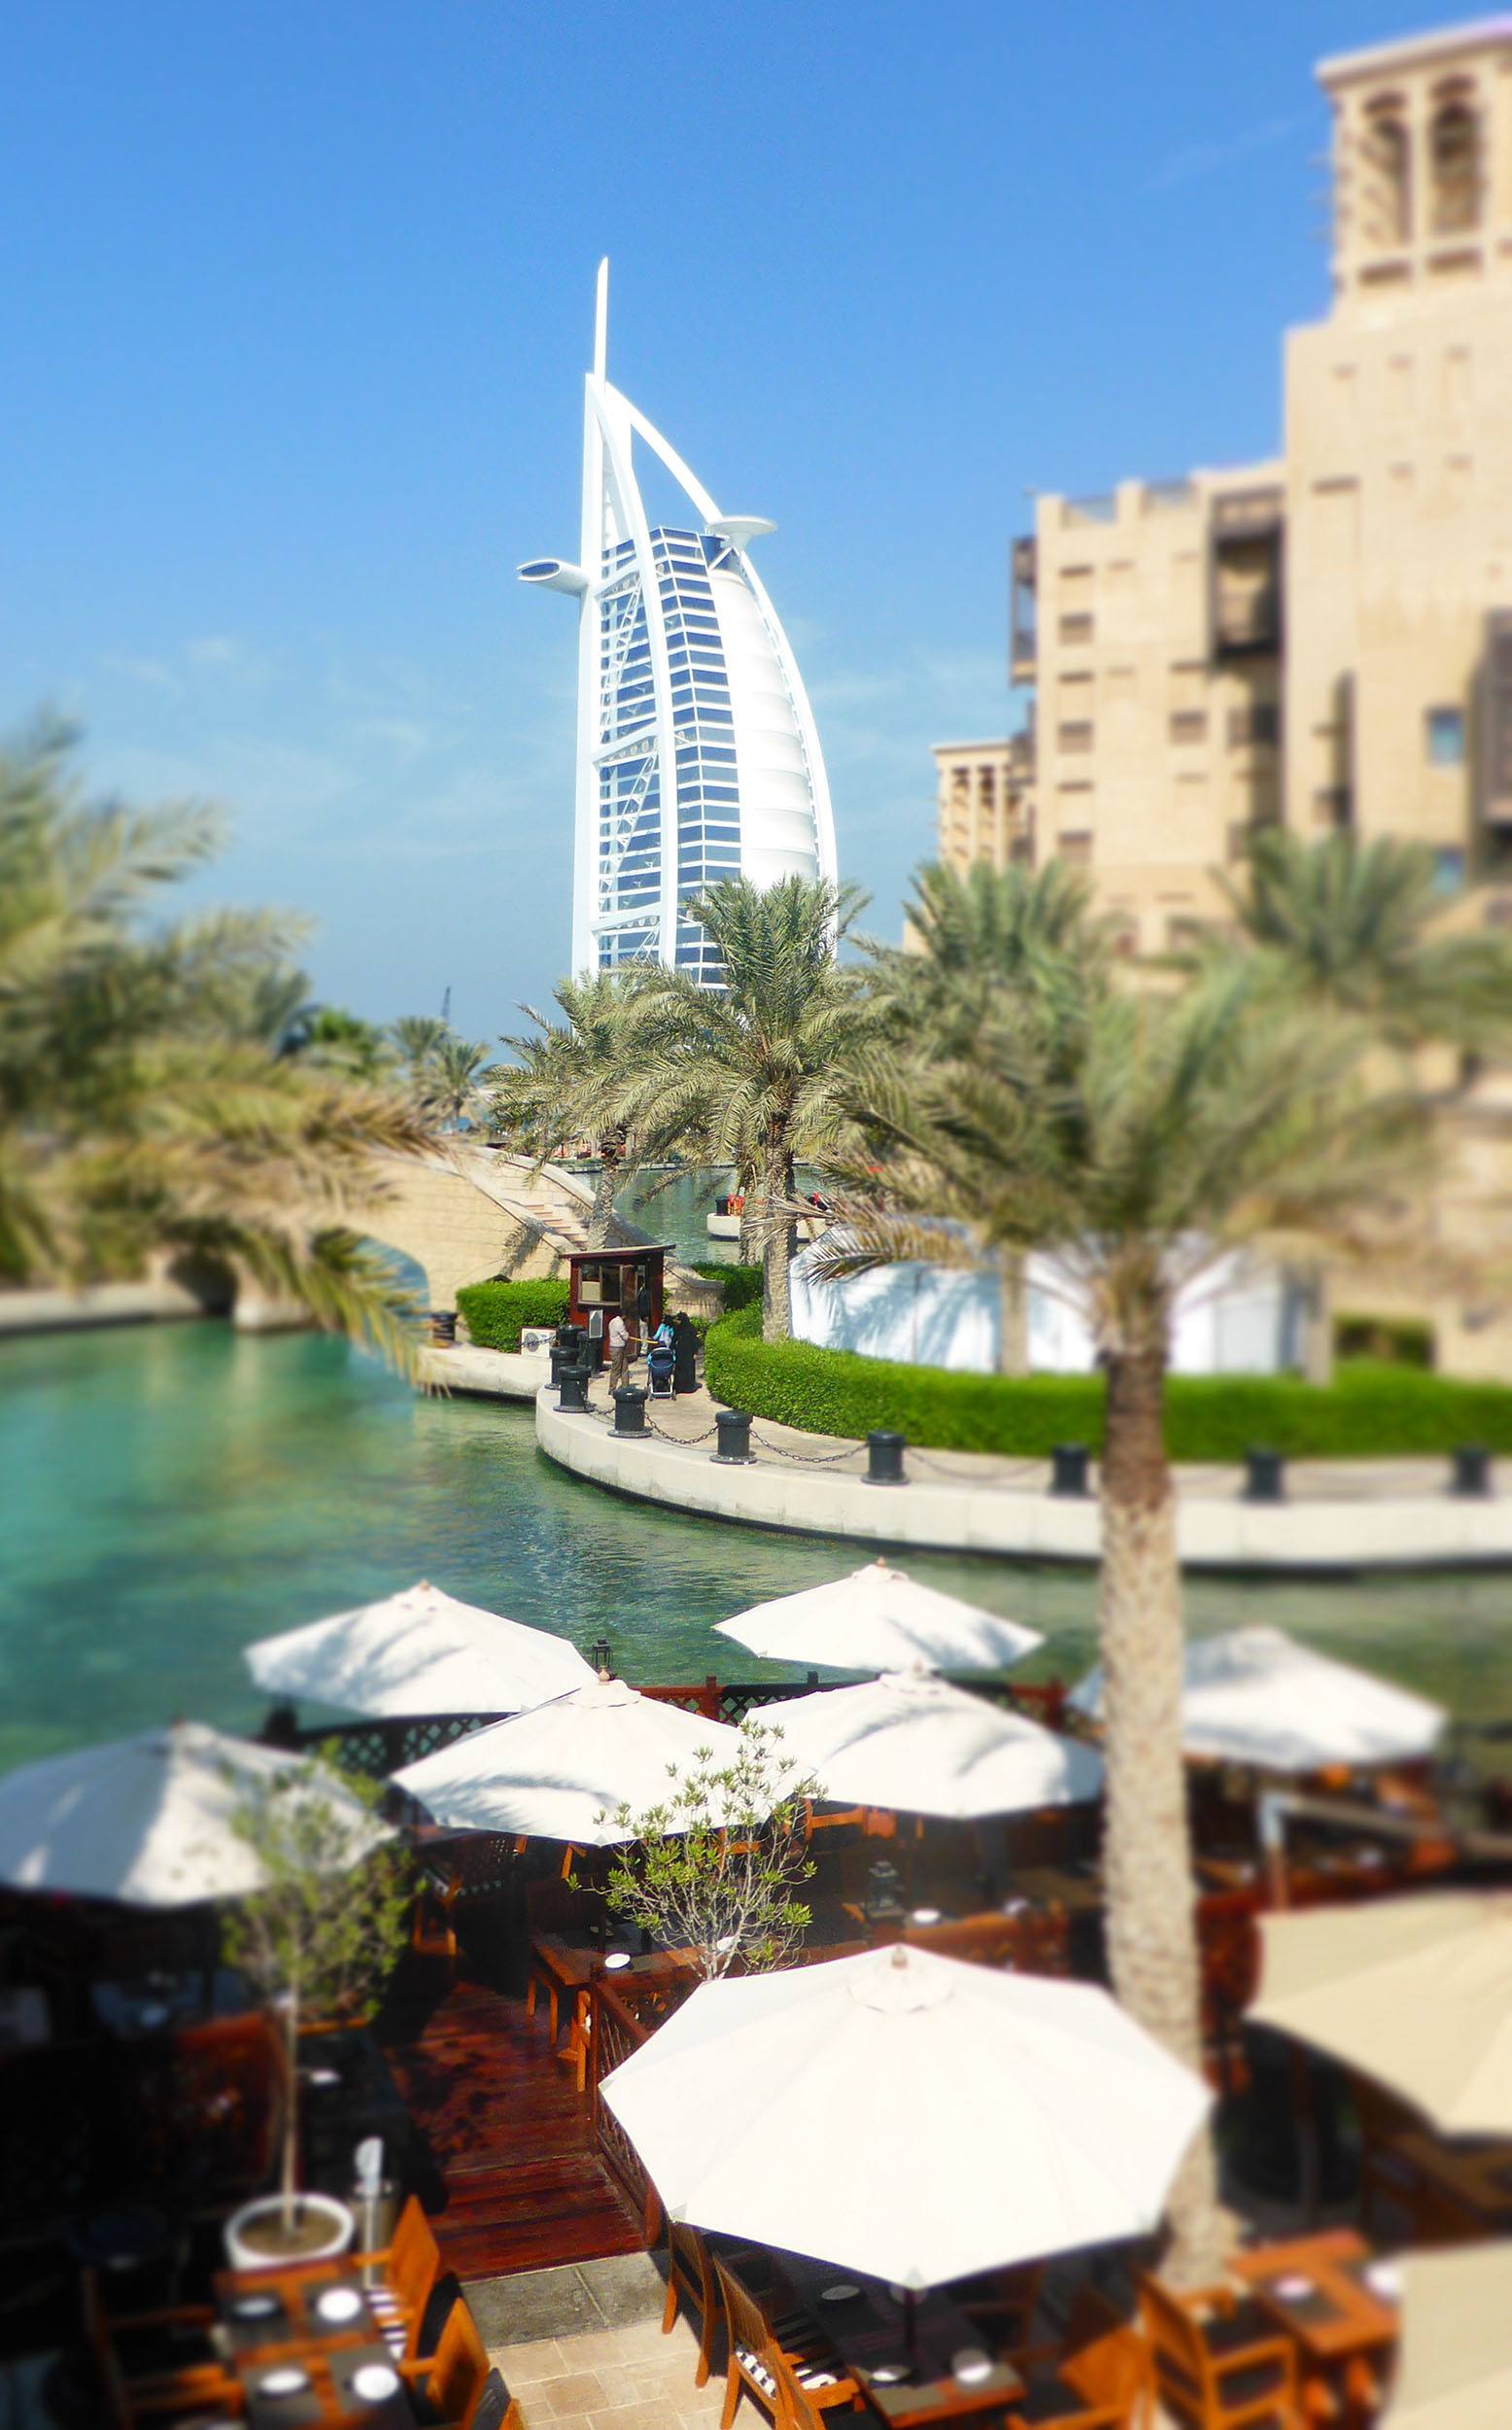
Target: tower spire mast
{"x": 601, "y": 320}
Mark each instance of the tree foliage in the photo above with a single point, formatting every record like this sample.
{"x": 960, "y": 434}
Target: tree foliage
{"x": 714, "y": 1867}
{"x": 148, "y": 1097}
{"x": 323, "y": 1934}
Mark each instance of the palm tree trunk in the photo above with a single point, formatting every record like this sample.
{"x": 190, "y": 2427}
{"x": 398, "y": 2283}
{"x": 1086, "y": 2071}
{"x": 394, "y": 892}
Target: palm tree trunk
{"x": 776, "y": 1297}
{"x": 601, "y": 1211}
{"x": 1152, "y": 1934}
{"x": 1013, "y": 1316}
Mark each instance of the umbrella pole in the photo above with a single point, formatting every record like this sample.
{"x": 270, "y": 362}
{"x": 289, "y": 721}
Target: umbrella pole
{"x": 911, "y": 2325}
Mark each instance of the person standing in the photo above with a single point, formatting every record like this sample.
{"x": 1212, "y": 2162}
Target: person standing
{"x": 619, "y": 1351}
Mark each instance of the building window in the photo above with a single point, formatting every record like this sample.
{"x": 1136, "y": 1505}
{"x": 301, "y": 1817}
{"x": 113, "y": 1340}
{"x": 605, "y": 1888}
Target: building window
{"x": 1189, "y": 725}
{"x": 1387, "y": 193}
{"x": 1077, "y": 628}
{"x": 1454, "y": 169}
{"x": 1073, "y": 734}
{"x": 1448, "y": 868}
{"x": 1446, "y": 738}
{"x": 1075, "y": 848}
{"x": 1259, "y": 723}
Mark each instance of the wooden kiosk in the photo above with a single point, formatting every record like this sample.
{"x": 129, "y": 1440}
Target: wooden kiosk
{"x": 618, "y": 1282}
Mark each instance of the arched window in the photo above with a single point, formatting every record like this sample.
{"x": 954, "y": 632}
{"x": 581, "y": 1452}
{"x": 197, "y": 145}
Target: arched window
{"x": 1455, "y": 165}
{"x": 1385, "y": 182}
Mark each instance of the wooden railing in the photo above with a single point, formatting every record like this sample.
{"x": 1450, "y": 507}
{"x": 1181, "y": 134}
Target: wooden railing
{"x": 1042, "y": 1700}
{"x": 377, "y": 1748}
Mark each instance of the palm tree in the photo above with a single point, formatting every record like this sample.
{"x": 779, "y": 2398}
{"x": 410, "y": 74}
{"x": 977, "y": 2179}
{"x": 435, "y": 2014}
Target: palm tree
{"x": 456, "y": 1082}
{"x": 577, "y": 1079}
{"x": 1363, "y": 928}
{"x": 144, "y": 1102}
{"x": 1139, "y": 1138}
{"x": 971, "y": 934}
{"x": 418, "y": 1038}
{"x": 753, "y": 1073}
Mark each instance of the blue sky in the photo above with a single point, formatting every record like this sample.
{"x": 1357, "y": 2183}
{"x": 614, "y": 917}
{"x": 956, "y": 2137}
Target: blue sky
{"x": 297, "y": 301}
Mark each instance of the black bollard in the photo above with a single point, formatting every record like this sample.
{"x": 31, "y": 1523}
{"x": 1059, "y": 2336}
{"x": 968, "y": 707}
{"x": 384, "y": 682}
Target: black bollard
{"x": 1471, "y": 1471}
{"x": 1068, "y": 1467}
{"x": 572, "y": 1386}
{"x": 1265, "y": 1478}
{"x": 734, "y": 1438}
{"x": 629, "y": 1409}
{"x": 884, "y": 1452}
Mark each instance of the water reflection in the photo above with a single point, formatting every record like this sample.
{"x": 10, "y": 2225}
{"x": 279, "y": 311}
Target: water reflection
{"x": 173, "y": 1492}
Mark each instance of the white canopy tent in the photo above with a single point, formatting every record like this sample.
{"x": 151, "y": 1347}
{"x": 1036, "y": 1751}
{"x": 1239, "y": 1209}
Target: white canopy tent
{"x": 418, "y": 1651}
{"x": 563, "y": 1770}
{"x": 878, "y": 1618}
{"x": 150, "y": 1819}
{"x": 921, "y": 1746}
{"x": 973, "y": 2119}
{"x": 1254, "y": 1696}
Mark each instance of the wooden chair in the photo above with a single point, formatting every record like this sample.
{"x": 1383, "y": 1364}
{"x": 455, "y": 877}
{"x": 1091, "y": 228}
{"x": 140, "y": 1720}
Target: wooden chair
{"x": 1003, "y": 2303}
{"x": 1102, "y": 2378}
{"x": 152, "y": 2362}
{"x": 802, "y": 2407}
{"x": 763, "y": 2353}
{"x": 690, "y": 2281}
{"x": 1218, "y": 2365}
{"x": 452, "y": 2380}
{"x": 413, "y": 2265}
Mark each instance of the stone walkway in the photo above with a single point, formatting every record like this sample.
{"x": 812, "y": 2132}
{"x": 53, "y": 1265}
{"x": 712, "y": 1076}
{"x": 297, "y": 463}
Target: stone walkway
{"x": 1339, "y": 1515}
{"x": 582, "y": 2349}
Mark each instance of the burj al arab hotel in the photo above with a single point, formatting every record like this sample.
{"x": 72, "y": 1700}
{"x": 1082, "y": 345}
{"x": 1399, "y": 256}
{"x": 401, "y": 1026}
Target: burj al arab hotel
{"x": 697, "y": 753}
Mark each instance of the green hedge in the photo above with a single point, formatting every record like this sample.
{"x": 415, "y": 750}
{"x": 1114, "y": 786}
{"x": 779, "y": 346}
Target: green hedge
{"x": 741, "y": 1284}
{"x": 1371, "y": 1412}
{"x": 496, "y": 1310}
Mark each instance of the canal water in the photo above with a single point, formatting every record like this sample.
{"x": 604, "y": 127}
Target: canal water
{"x": 171, "y": 1492}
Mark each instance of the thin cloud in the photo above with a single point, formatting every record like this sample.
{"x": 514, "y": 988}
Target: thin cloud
{"x": 1206, "y": 159}
{"x": 154, "y": 673}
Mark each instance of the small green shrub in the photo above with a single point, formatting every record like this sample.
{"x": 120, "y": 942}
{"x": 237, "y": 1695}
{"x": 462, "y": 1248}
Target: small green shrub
{"x": 741, "y": 1284}
{"x": 495, "y": 1311}
{"x": 1372, "y": 1411}
{"x": 1399, "y": 1340}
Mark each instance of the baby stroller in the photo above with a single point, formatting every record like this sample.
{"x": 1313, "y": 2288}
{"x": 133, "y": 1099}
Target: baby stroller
{"x": 660, "y": 1360}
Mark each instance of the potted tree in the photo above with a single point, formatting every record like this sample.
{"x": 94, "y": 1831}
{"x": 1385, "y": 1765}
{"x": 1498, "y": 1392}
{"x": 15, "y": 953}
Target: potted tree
{"x": 319, "y": 1940}
{"x": 714, "y": 1867}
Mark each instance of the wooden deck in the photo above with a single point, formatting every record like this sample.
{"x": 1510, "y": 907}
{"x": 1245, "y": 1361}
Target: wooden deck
{"x": 518, "y": 2182}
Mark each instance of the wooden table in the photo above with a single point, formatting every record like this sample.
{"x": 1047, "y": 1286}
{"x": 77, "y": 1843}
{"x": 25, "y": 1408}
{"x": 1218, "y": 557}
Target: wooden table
{"x": 297, "y": 2323}
{"x": 1080, "y": 1893}
{"x": 1342, "y": 2326}
{"x": 1465, "y": 2188}
{"x": 329, "y": 2402}
{"x": 868, "y": 2332}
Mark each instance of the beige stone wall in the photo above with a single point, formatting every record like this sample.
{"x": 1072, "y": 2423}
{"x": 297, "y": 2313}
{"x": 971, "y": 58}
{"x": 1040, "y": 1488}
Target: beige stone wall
{"x": 984, "y": 805}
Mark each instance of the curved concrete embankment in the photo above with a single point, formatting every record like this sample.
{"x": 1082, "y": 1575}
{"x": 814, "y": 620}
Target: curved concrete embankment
{"x": 1388, "y": 1517}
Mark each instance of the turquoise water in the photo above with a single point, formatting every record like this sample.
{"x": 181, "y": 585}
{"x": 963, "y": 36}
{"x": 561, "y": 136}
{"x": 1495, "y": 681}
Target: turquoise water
{"x": 171, "y": 1492}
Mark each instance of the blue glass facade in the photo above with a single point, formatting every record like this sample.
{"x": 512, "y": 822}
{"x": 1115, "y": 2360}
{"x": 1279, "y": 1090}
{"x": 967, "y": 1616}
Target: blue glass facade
{"x": 702, "y": 789}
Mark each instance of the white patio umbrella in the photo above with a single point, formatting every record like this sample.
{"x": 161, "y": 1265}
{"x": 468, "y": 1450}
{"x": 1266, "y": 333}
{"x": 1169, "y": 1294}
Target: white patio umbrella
{"x": 1253, "y": 1695}
{"x": 563, "y": 1770}
{"x": 908, "y": 2115}
{"x": 1416, "y": 1991}
{"x": 1455, "y": 2370}
{"x": 418, "y": 1651}
{"x": 876, "y": 1619}
{"x": 150, "y": 1819}
{"x": 921, "y": 1746}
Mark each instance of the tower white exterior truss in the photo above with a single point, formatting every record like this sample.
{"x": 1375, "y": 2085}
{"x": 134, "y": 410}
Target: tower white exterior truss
{"x": 698, "y": 758}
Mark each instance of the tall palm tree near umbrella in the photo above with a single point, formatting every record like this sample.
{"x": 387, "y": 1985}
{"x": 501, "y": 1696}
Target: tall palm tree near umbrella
{"x": 577, "y": 1079}
{"x": 753, "y": 1073}
{"x": 1141, "y": 1138}
{"x": 144, "y": 1102}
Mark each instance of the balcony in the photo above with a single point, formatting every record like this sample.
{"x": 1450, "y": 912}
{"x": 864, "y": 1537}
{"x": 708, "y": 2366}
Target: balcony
{"x": 1023, "y": 632}
{"x": 1248, "y": 513}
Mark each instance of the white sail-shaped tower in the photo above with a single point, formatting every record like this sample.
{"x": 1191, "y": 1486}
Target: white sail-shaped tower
{"x": 697, "y": 753}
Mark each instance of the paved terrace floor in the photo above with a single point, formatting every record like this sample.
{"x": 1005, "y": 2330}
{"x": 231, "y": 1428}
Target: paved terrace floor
{"x": 1337, "y": 1514}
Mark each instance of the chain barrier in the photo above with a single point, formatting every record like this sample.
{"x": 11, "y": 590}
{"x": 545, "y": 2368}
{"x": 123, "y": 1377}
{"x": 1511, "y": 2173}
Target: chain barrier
{"x": 968, "y": 1476}
{"x": 820, "y": 1459}
{"x": 687, "y": 1440}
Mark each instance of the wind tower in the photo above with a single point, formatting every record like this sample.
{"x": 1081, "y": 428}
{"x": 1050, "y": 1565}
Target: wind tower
{"x": 698, "y": 758}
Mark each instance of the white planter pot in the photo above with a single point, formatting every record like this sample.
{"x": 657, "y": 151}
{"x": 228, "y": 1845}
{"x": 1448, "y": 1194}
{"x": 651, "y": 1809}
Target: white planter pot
{"x": 338, "y": 2220}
